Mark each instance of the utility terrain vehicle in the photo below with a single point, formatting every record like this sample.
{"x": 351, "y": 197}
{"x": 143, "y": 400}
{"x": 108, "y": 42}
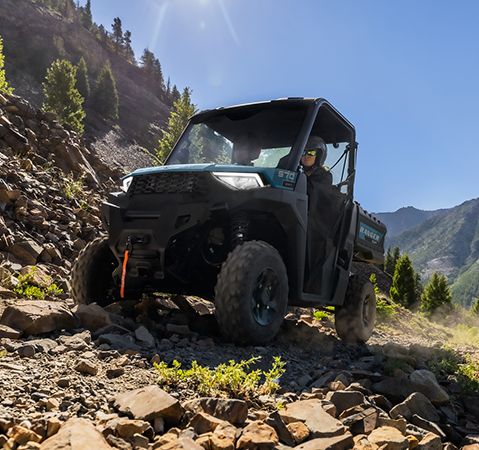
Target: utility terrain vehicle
{"x": 227, "y": 219}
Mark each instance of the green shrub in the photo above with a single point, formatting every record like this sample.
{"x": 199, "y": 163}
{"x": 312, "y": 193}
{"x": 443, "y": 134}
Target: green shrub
{"x": 26, "y": 287}
{"x": 74, "y": 189}
{"x": 385, "y": 308}
{"x": 232, "y": 379}
{"x": 475, "y": 307}
{"x": 464, "y": 369}
{"x": 4, "y": 87}
{"x": 322, "y": 315}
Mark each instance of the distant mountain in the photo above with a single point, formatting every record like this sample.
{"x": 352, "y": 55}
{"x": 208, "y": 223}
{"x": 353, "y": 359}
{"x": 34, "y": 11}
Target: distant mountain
{"x": 404, "y": 219}
{"x": 446, "y": 242}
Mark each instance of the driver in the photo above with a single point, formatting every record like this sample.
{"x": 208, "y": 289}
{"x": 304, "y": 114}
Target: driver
{"x": 313, "y": 159}
{"x": 320, "y": 206}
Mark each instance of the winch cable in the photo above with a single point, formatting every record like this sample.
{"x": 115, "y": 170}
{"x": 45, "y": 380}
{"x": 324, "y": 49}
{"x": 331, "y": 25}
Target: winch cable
{"x": 125, "y": 263}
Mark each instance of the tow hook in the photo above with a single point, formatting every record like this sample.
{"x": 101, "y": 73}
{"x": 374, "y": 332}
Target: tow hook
{"x": 126, "y": 255}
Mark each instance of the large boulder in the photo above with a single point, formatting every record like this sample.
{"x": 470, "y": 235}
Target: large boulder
{"x": 426, "y": 383}
{"x": 341, "y": 442}
{"x": 257, "y": 436}
{"x": 343, "y": 400}
{"x": 148, "y": 403}
{"x": 231, "y": 410}
{"x": 92, "y": 316}
{"x": 26, "y": 251}
{"x": 38, "y": 317}
{"x": 416, "y": 403}
{"x": 388, "y": 438}
{"x": 312, "y": 413}
{"x": 76, "y": 434}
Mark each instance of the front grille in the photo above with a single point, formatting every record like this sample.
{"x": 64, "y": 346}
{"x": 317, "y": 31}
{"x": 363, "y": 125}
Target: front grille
{"x": 165, "y": 183}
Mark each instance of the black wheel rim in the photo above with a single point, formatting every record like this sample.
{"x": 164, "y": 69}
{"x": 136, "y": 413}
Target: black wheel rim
{"x": 264, "y": 301}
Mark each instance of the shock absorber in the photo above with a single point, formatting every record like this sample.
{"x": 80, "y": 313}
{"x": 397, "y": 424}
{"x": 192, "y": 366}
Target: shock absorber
{"x": 239, "y": 229}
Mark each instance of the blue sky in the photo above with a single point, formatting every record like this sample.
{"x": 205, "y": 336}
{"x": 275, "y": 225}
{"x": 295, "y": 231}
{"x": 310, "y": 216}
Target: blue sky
{"x": 406, "y": 74}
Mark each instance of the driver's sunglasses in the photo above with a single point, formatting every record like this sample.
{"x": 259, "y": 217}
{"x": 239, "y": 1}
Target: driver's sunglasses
{"x": 311, "y": 152}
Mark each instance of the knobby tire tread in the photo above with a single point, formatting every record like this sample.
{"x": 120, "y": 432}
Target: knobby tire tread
{"x": 231, "y": 291}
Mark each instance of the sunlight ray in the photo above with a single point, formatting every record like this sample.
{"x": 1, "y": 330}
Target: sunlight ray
{"x": 229, "y": 24}
{"x": 159, "y": 22}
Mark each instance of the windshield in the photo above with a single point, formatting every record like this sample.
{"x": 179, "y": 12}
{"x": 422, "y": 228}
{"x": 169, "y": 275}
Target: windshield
{"x": 254, "y": 135}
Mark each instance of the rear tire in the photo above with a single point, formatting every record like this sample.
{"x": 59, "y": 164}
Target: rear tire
{"x": 92, "y": 274}
{"x": 355, "y": 319}
{"x": 251, "y": 294}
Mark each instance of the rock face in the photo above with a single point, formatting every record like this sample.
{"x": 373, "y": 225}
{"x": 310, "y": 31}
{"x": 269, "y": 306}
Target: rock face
{"x": 149, "y": 403}
{"x": 50, "y": 189}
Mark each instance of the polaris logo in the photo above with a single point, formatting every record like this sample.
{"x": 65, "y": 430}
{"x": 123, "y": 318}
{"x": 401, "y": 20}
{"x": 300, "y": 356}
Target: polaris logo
{"x": 369, "y": 234}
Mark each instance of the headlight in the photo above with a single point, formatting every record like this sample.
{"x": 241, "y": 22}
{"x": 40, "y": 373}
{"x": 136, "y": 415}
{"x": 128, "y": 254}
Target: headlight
{"x": 126, "y": 183}
{"x": 240, "y": 180}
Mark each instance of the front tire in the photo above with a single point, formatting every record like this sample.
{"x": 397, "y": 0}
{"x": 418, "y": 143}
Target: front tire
{"x": 92, "y": 274}
{"x": 251, "y": 294}
{"x": 355, "y": 319}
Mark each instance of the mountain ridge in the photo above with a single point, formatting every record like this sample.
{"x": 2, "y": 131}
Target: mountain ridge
{"x": 447, "y": 242}
{"x": 405, "y": 218}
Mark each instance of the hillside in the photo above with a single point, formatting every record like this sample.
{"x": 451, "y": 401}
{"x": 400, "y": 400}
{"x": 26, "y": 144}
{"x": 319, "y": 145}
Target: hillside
{"x": 404, "y": 219}
{"x": 447, "y": 242}
{"x": 35, "y": 35}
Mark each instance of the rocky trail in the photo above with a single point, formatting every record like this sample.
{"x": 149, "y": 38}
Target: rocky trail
{"x": 73, "y": 374}
{"x": 84, "y": 377}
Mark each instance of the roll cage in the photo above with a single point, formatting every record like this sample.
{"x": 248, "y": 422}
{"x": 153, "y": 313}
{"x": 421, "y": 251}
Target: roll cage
{"x": 321, "y": 119}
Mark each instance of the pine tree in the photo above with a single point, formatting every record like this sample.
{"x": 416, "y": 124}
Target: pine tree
{"x": 175, "y": 94}
{"x": 147, "y": 61}
{"x": 475, "y": 307}
{"x": 403, "y": 289}
{"x": 61, "y": 95}
{"x": 388, "y": 262}
{"x": 87, "y": 18}
{"x": 83, "y": 83}
{"x": 158, "y": 74}
{"x": 103, "y": 34}
{"x": 396, "y": 256}
{"x": 181, "y": 112}
{"x": 106, "y": 95}
{"x": 130, "y": 54}
{"x": 168, "y": 88}
{"x": 4, "y": 87}
{"x": 117, "y": 33}
{"x": 436, "y": 294}
{"x": 419, "y": 288}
